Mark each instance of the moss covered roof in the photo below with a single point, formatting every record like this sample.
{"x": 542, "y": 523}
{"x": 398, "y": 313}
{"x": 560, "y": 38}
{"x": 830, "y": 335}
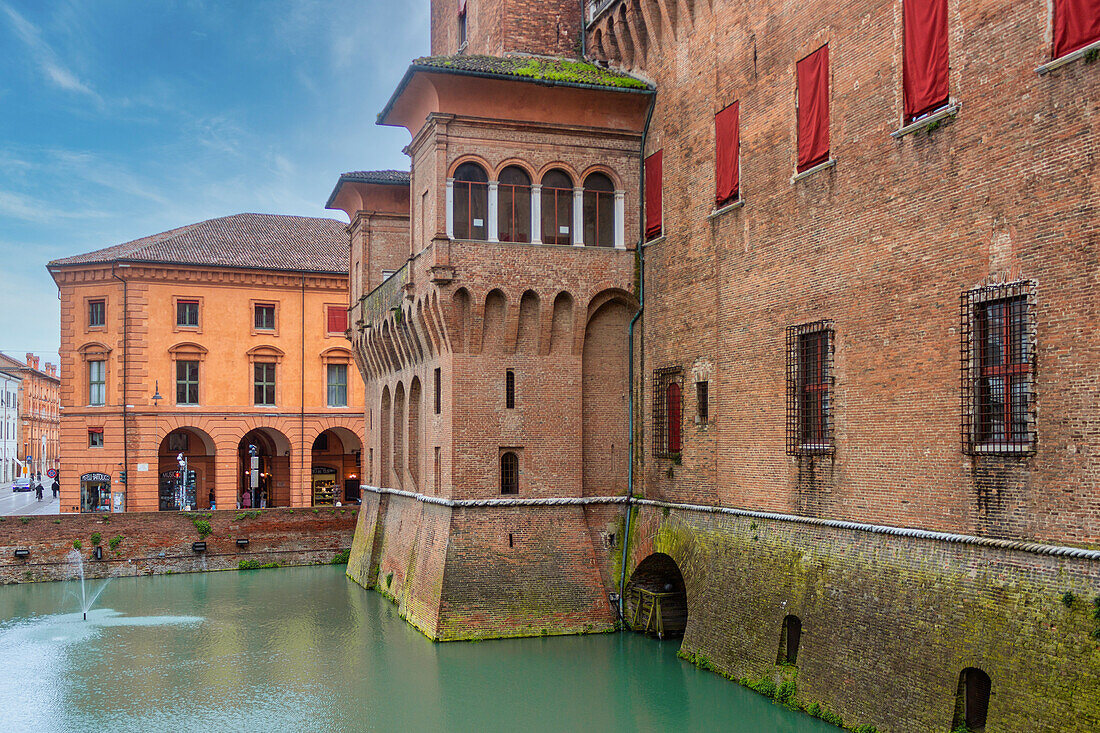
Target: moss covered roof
{"x": 554, "y": 70}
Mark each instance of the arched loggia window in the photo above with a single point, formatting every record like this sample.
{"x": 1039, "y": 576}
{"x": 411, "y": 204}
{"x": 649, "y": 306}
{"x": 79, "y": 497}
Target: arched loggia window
{"x": 471, "y": 202}
{"x": 514, "y": 205}
{"x": 557, "y": 208}
{"x": 599, "y": 211}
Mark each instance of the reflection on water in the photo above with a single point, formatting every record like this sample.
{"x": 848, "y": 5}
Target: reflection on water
{"x": 305, "y": 649}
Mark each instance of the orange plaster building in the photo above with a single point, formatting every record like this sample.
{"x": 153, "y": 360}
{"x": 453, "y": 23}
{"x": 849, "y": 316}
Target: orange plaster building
{"x": 205, "y": 345}
{"x": 39, "y": 414}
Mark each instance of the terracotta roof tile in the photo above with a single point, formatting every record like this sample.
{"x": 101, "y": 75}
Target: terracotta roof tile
{"x": 254, "y": 241}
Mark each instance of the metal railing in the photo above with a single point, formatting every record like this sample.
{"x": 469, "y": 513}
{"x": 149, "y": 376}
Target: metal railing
{"x": 595, "y": 7}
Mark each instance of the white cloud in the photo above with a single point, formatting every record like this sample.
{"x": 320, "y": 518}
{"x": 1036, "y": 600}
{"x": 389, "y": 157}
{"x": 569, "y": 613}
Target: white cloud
{"x": 46, "y": 58}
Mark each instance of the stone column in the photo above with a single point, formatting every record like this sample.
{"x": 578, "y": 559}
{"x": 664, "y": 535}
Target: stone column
{"x": 450, "y": 208}
{"x": 578, "y": 217}
{"x": 536, "y": 213}
{"x": 492, "y": 223}
{"x": 620, "y": 220}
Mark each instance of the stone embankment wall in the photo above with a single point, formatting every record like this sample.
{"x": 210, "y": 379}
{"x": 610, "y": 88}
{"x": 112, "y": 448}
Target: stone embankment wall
{"x": 161, "y": 542}
{"x": 888, "y": 621}
{"x": 458, "y": 571}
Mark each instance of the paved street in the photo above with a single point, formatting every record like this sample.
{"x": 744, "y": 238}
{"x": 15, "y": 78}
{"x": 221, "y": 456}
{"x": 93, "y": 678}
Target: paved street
{"x": 23, "y": 502}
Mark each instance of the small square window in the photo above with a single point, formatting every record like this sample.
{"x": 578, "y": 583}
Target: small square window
{"x": 187, "y": 313}
{"x": 95, "y": 437}
{"x": 265, "y": 317}
{"x": 97, "y": 313}
{"x": 336, "y": 319}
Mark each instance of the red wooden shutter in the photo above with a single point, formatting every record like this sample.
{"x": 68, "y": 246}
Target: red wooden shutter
{"x": 653, "y": 214}
{"x": 813, "y": 109}
{"x": 1076, "y": 25}
{"x": 925, "y": 67}
{"x": 674, "y": 402}
{"x": 337, "y": 319}
{"x": 727, "y": 134}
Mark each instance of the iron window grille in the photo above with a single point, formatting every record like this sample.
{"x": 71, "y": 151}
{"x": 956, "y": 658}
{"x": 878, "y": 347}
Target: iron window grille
{"x": 187, "y": 313}
{"x": 509, "y": 389}
{"x": 265, "y": 317}
{"x": 187, "y": 383}
{"x": 998, "y": 369}
{"x": 97, "y": 313}
{"x": 810, "y": 384}
{"x": 667, "y": 412}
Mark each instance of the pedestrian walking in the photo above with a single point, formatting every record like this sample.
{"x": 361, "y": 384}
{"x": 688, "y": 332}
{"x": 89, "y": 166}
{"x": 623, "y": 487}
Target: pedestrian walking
{"x": 38, "y": 491}
{"x": 55, "y": 487}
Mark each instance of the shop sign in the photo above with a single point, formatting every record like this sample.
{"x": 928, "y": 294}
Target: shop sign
{"x": 101, "y": 477}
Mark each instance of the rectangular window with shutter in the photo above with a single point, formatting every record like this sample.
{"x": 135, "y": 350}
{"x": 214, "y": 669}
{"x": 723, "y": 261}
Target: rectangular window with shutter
{"x": 337, "y": 385}
{"x": 187, "y": 383}
{"x": 654, "y": 213}
{"x": 924, "y": 68}
{"x": 265, "y": 317}
{"x": 813, "y": 109}
{"x": 1076, "y": 25}
{"x": 337, "y": 319}
{"x": 97, "y": 313}
{"x": 264, "y": 384}
{"x": 727, "y": 172}
{"x": 97, "y": 383}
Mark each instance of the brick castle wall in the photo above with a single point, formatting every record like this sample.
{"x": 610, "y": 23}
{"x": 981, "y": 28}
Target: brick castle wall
{"x": 888, "y": 622}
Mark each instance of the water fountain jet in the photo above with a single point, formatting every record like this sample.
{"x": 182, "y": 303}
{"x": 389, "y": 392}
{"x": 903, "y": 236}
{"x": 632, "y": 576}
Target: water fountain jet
{"x": 85, "y": 602}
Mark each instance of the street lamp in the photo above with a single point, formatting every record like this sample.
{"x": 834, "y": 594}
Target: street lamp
{"x": 156, "y": 393}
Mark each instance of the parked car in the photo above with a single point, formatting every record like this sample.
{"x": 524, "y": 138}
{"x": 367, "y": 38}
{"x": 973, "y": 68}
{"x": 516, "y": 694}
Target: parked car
{"x": 21, "y": 483}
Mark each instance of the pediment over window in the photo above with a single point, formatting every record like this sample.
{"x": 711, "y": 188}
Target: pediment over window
{"x": 336, "y": 355}
{"x": 265, "y": 353}
{"x": 188, "y": 351}
{"x": 94, "y": 351}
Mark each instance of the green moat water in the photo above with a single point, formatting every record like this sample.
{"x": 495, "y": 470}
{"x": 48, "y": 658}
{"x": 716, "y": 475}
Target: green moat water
{"x": 305, "y": 649}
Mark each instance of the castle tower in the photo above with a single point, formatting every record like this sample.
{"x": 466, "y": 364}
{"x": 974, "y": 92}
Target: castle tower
{"x": 499, "y": 27}
{"x": 494, "y": 343}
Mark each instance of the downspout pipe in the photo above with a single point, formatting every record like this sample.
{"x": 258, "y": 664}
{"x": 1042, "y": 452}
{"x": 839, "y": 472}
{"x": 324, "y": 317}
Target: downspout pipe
{"x": 630, "y": 351}
{"x": 125, "y": 379}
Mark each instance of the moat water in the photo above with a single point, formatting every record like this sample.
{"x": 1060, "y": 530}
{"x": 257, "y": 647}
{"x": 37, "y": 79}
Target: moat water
{"x": 305, "y": 649}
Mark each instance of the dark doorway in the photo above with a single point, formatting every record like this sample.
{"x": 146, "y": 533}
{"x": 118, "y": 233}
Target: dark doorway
{"x": 972, "y": 700}
{"x": 656, "y": 598}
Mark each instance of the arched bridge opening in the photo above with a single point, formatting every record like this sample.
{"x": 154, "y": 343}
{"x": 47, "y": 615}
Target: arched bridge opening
{"x": 656, "y": 598}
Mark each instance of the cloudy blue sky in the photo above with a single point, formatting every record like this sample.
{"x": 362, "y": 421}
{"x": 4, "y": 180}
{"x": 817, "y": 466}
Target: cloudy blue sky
{"x": 123, "y": 118}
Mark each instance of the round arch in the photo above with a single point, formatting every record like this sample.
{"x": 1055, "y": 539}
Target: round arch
{"x": 179, "y": 487}
{"x": 272, "y": 480}
{"x": 616, "y": 181}
{"x": 335, "y": 466}
{"x": 469, "y": 158}
{"x": 513, "y": 163}
{"x": 561, "y": 165}
{"x": 655, "y": 600}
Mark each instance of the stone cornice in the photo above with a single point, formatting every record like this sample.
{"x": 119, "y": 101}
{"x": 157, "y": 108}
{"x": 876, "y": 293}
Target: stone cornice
{"x": 77, "y": 274}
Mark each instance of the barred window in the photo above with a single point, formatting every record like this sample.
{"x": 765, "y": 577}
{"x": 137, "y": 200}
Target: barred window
{"x": 667, "y": 412}
{"x": 998, "y": 332}
{"x": 187, "y": 313}
{"x": 810, "y": 388}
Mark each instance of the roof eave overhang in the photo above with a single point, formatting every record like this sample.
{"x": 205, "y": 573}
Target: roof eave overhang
{"x": 384, "y": 115}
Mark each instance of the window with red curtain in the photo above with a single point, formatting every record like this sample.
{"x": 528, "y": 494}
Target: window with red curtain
{"x": 925, "y": 65}
{"x": 1076, "y": 25}
{"x": 337, "y": 319}
{"x": 813, "y": 109}
{"x": 653, "y": 213}
{"x": 727, "y": 135}
{"x": 675, "y": 401}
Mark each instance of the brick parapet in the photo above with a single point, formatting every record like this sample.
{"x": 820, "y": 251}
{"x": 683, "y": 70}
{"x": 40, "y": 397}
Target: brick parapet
{"x": 160, "y": 542}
